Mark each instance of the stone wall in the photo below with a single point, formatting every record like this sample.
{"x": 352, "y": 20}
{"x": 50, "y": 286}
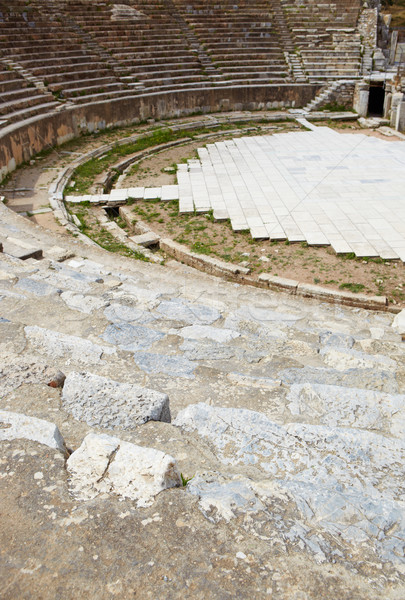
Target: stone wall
{"x": 21, "y": 141}
{"x": 343, "y": 95}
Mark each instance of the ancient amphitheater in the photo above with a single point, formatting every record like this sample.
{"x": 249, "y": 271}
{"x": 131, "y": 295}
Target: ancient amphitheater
{"x": 219, "y": 416}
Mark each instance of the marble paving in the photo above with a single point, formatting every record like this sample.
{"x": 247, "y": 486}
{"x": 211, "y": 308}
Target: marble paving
{"x": 319, "y": 186}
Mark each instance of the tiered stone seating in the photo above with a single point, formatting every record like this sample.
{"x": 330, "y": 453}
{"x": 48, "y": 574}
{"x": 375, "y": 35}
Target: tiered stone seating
{"x": 241, "y": 39}
{"x": 288, "y": 417}
{"x": 39, "y": 38}
{"x": 20, "y": 99}
{"x": 326, "y": 37}
{"x": 85, "y": 51}
{"x": 145, "y": 41}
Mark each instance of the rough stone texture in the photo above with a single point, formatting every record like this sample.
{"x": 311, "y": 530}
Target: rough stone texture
{"x": 194, "y": 350}
{"x": 16, "y": 371}
{"x": 329, "y": 338}
{"x": 337, "y": 477}
{"x": 107, "y": 403}
{"x": 175, "y": 366}
{"x": 131, "y": 337}
{"x": 85, "y": 304}
{"x": 398, "y": 323}
{"x": 38, "y": 288}
{"x": 198, "y": 332}
{"x": 105, "y": 464}
{"x": 59, "y": 345}
{"x": 377, "y": 379}
{"x": 15, "y": 426}
{"x": 336, "y": 406}
{"x": 129, "y": 314}
{"x": 186, "y": 312}
{"x": 343, "y": 359}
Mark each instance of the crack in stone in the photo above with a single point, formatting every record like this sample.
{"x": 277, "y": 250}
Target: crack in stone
{"x": 110, "y": 460}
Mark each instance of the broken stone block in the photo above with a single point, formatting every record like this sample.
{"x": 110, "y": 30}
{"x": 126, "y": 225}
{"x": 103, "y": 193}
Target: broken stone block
{"x": 105, "y": 464}
{"x": 146, "y": 239}
{"x": 58, "y": 254}
{"x": 101, "y": 401}
{"x": 14, "y": 426}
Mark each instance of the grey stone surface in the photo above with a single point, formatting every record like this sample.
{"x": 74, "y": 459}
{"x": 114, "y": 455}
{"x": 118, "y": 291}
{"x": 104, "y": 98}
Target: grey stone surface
{"x": 221, "y": 498}
{"x": 199, "y": 351}
{"x": 131, "y": 337}
{"x": 175, "y": 366}
{"x": 107, "y": 403}
{"x": 201, "y": 332}
{"x": 84, "y": 304}
{"x": 248, "y": 322}
{"x": 398, "y": 323}
{"x": 61, "y": 345}
{"x": 186, "y": 312}
{"x": 380, "y": 380}
{"x": 337, "y": 406}
{"x": 15, "y": 426}
{"x": 304, "y": 500}
{"x": 129, "y": 314}
{"x": 338, "y": 477}
{"x": 38, "y": 288}
{"x": 329, "y": 338}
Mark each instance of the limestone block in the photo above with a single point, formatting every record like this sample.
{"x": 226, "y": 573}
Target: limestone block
{"x": 57, "y": 253}
{"x": 146, "y": 239}
{"x": 38, "y": 288}
{"x": 131, "y": 337}
{"x": 198, "y": 332}
{"x": 398, "y": 323}
{"x": 101, "y": 401}
{"x": 187, "y": 312}
{"x": 174, "y": 366}
{"x": 275, "y": 282}
{"x": 400, "y": 117}
{"x": 342, "y": 359}
{"x": 84, "y": 304}
{"x": 14, "y": 426}
{"x": 341, "y": 479}
{"x": 63, "y": 345}
{"x": 105, "y": 464}
{"x": 369, "y": 123}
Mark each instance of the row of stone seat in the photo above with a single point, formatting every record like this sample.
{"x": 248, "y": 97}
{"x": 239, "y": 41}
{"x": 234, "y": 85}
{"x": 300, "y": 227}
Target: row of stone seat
{"x": 32, "y": 39}
{"x": 321, "y": 33}
{"x": 116, "y": 50}
{"x": 20, "y": 99}
{"x": 241, "y": 39}
{"x": 150, "y": 48}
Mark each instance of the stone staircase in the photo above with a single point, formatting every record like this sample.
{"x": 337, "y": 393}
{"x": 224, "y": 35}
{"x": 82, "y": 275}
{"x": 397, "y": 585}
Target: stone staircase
{"x": 323, "y": 97}
{"x": 195, "y": 45}
{"x": 292, "y": 56}
{"x": 289, "y": 417}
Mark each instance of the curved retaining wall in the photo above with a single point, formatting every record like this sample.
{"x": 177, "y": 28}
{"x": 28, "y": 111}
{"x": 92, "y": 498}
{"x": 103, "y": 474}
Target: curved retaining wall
{"x": 21, "y": 141}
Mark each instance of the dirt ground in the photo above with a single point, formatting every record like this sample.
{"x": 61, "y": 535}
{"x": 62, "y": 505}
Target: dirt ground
{"x": 295, "y": 261}
{"x": 151, "y": 172}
